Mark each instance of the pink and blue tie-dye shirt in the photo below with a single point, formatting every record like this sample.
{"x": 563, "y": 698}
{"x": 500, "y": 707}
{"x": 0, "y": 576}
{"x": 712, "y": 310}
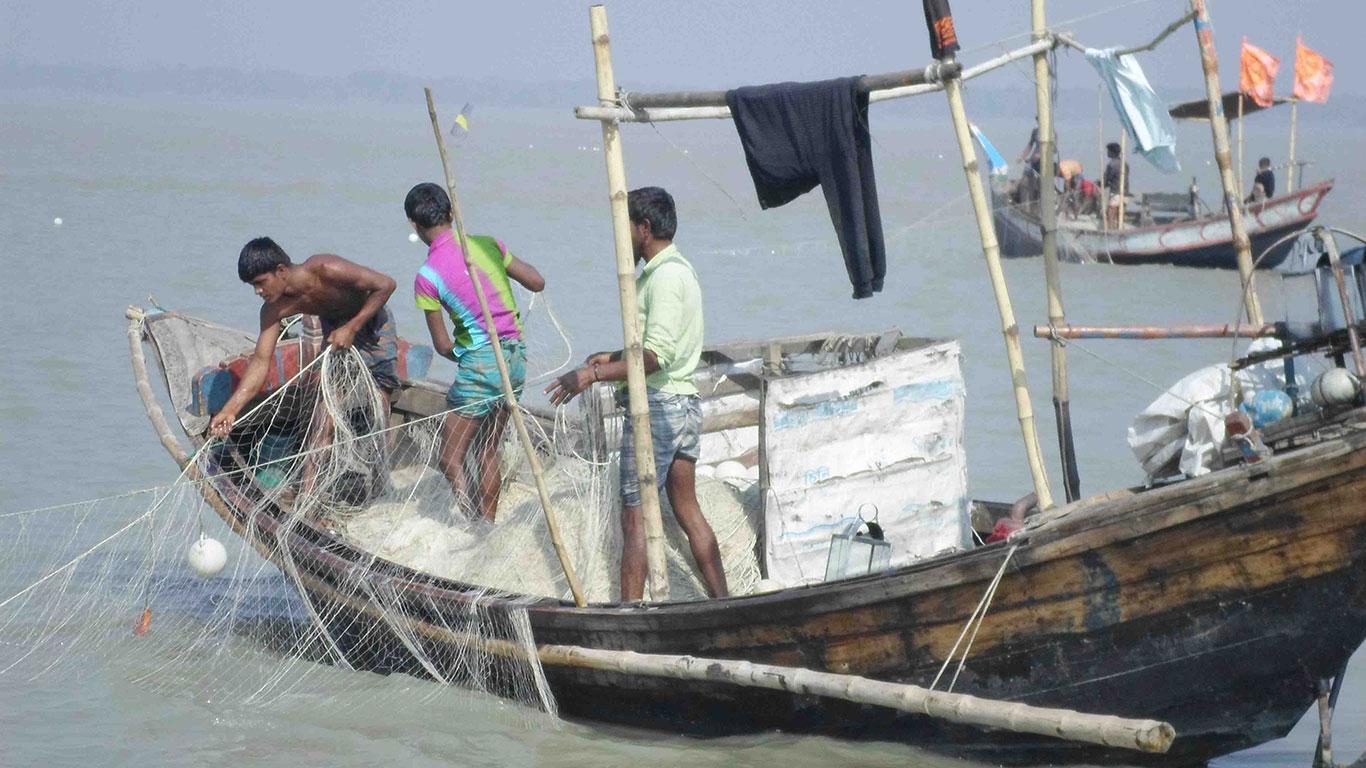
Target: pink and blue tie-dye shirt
{"x": 444, "y": 283}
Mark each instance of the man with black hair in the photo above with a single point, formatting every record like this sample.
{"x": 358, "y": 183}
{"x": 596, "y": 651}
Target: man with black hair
{"x": 1264, "y": 183}
{"x": 670, "y": 305}
{"x": 348, "y": 298}
{"x": 443, "y": 286}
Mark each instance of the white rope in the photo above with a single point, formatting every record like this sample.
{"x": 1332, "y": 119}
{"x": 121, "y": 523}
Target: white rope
{"x": 978, "y": 613}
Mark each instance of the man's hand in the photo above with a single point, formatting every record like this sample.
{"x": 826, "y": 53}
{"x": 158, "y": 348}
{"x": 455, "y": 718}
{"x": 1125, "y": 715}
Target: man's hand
{"x": 342, "y": 337}
{"x": 222, "y": 423}
{"x": 563, "y": 389}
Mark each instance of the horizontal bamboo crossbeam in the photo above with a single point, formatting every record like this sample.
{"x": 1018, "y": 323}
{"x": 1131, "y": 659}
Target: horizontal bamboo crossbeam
{"x": 885, "y": 81}
{"x": 1207, "y": 331}
{"x": 703, "y": 105}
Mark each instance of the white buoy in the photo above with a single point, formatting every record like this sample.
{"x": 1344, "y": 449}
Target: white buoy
{"x": 412, "y": 238}
{"x": 207, "y": 557}
{"x": 1337, "y": 387}
{"x": 57, "y": 222}
{"x": 730, "y": 470}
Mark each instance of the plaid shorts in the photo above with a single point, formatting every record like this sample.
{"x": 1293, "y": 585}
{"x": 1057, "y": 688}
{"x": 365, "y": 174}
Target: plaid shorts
{"x": 675, "y": 433}
{"x": 377, "y": 343}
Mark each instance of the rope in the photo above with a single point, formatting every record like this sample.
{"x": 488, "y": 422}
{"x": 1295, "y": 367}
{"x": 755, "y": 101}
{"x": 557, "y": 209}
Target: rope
{"x": 974, "y": 623}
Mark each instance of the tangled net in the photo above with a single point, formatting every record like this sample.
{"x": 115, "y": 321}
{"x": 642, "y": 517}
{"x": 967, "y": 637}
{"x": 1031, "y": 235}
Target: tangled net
{"x": 321, "y": 467}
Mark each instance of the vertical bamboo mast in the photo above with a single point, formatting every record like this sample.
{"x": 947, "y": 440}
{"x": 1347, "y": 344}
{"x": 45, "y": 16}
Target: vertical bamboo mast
{"x": 516, "y": 413}
{"x": 953, "y": 88}
{"x": 1048, "y": 220}
{"x": 1290, "y": 169}
{"x": 630, "y": 317}
{"x": 1241, "y": 162}
{"x": 1204, "y": 36}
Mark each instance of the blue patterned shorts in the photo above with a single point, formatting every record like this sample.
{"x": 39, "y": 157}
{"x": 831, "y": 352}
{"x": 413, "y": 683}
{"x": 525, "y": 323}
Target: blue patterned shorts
{"x": 675, "y": 433}
{"x": 478, "y": 388}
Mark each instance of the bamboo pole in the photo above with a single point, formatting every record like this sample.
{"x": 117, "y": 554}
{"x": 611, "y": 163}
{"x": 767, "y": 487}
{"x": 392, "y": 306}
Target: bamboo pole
{"x": 934, "y": 78}
{"x": 522, "y": 435}
{"x": 1151, "y": 736}
{"x": 1242, "y": 163}
{"x": 634, "y": 351}
{"x": 1290, "y": 169}
{"x": 1146, "y": 332}
{"x": 1009, "y": 330}
{"x": 1204, "y": 36}
{"x": 1048, "y": 221}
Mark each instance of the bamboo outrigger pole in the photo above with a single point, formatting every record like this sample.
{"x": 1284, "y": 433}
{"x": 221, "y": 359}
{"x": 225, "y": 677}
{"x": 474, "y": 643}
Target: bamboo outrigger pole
{"x": 953, "y": 88}
{"x": 508, "y": 394}
{"x": 1048, "y": 220}
{"x": 634, "y": 352}
{"x": 1204, "y": 36}
{"x": 1290, "y": 169}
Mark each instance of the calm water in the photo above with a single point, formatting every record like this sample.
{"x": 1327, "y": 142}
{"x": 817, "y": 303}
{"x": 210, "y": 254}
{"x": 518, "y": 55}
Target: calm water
{"x": 157, "y": 197}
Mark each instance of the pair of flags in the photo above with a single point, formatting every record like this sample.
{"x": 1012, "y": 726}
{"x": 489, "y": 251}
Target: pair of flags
{"x": 1257, "y": 75}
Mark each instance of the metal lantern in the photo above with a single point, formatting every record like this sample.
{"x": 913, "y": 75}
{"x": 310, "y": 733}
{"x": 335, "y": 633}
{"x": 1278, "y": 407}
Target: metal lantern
{"x": 857, "y": 554}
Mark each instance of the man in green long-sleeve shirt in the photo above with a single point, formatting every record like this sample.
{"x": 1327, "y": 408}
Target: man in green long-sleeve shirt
{"x": 670, "y": 304}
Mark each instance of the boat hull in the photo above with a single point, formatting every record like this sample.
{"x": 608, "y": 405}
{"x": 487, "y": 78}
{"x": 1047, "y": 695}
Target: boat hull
{"x": 1204, "y": 242}
{"x": 1213, "y": 604}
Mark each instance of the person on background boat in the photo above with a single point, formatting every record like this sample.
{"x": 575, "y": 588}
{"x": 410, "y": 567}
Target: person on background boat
{"x": 349, "y": 300}
{"x": 1115, "y": 167}
{"x": 670, "y": 306}
{"x": 1264, "y": 183}
{"x": 443, "y": 286}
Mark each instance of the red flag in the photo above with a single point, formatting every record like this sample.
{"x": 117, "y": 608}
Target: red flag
{"x": 1257, "y": 76}
{"x": 1313, "y": 74}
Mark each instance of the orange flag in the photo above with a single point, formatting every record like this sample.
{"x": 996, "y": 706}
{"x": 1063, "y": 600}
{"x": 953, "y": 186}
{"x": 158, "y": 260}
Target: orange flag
{"x": 1257, "y": 76}
{"x": 1313, "y": 74}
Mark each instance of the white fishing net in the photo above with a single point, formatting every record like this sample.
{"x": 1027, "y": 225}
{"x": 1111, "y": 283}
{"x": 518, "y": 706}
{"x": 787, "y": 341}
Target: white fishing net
{"x": 350, "y": 546}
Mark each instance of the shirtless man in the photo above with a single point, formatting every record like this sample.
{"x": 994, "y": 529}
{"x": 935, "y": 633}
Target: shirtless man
{"x": 348, "y": 298}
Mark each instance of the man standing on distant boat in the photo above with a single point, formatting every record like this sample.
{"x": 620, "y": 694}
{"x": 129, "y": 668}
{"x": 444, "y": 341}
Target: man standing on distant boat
{"x": 1115, "y": 168}
{"x": 443, "y": 286}
{"x": 348, "y": 298}
{"x": 1264, "y": 183}
{"x": 670, "y": 306}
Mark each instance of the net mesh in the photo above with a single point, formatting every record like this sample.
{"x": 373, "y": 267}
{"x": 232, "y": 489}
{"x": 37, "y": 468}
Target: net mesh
{"x": 361, "y": 542}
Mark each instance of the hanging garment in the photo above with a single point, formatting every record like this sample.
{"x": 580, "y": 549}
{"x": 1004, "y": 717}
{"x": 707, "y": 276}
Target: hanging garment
{"x": 798, "y": 135}
{"x": 1140, "y": 110}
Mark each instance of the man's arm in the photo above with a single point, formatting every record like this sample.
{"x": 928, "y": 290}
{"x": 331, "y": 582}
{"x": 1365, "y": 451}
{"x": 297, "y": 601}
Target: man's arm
{"x": 441, "y": 340}
{"x": 253, "y": 378}
{"x": 377, "y": 286}
{"x": 525, "y": 274}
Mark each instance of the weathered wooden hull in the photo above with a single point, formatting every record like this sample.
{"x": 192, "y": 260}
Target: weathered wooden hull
{"x": 1204, "y": 242}
{"x": 1213, "y": 604}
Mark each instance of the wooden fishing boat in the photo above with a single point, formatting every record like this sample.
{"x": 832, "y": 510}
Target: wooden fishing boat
{"x": 1215, "y": 604}
{"x": 1172, "y": 238}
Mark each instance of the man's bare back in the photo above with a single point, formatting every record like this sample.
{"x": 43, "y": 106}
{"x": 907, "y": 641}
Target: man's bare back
{"x": 345, "y": 295}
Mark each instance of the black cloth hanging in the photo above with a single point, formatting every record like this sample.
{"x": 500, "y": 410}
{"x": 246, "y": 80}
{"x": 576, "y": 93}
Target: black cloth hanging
{"x": 939, "y": 19}
{"x": 798, "y": 135}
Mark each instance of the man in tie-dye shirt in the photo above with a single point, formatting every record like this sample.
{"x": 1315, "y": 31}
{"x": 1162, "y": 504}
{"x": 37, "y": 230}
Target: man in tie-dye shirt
{"x": 444, "y": 289}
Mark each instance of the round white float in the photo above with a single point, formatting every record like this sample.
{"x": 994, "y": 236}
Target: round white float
{"x": 57, "y": 222}
{"x": 412, "y": 237}
{"x": 207, "y": 557}
{"x": 1337, "y": 387}
{"x": 730, "y": 470}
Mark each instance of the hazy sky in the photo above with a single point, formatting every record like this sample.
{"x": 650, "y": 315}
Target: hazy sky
{"x": 697, "y": 43}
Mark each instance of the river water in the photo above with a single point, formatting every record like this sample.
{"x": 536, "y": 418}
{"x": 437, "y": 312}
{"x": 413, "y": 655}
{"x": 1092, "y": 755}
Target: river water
{"x": 157, "y": 196}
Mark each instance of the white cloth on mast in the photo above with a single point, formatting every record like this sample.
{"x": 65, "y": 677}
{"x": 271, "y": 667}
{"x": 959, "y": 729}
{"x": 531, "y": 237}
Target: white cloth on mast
{"x": 1140, "y": 110}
